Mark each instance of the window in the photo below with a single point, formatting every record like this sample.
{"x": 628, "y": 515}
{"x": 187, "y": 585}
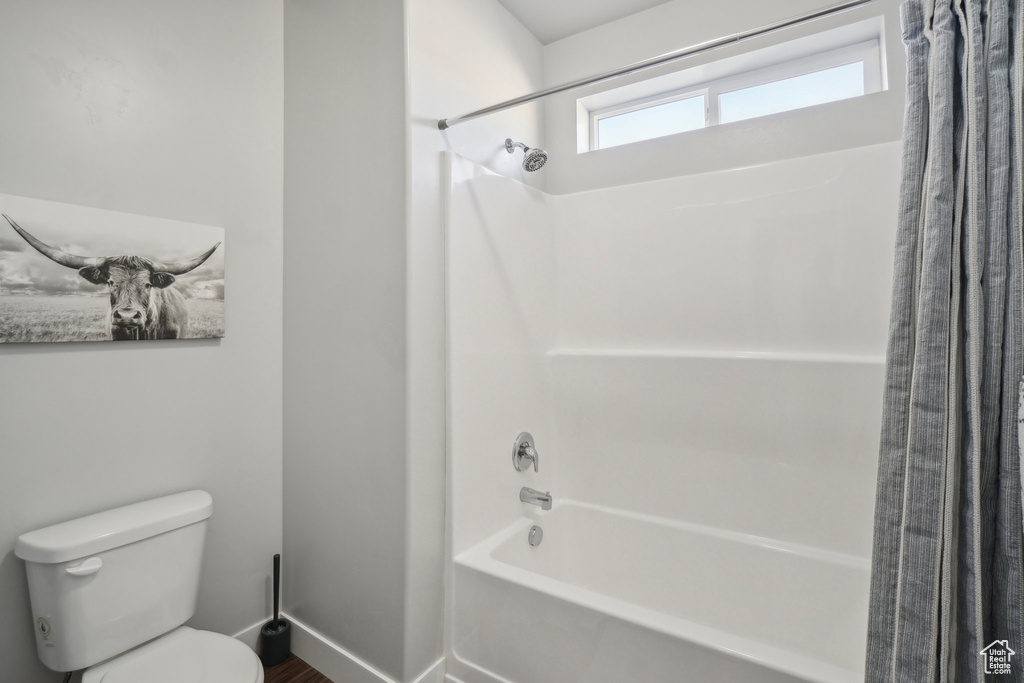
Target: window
{"x": 818, "y": 87}
{"x": 827, "y": 76}
{"x": 652, "y": 121}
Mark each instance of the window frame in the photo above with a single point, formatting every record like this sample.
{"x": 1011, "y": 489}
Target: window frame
{"x": 867, "y": 51}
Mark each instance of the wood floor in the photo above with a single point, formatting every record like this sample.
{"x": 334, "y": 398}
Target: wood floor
{"x": 294, "y": 670}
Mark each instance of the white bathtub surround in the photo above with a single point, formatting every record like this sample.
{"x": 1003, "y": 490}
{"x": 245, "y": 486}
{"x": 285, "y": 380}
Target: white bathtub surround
{"x": 750, "y": 442}
{"x": 700, "y": 361}
{"x": 789, "y": 257}
{"x": 500, "y": 264}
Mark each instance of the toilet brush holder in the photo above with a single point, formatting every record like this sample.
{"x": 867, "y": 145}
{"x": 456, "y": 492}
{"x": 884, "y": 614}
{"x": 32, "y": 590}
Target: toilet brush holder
{"x": 275, "y": 642}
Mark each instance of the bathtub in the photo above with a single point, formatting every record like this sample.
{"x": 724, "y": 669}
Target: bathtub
{"x": 612, "y": 596}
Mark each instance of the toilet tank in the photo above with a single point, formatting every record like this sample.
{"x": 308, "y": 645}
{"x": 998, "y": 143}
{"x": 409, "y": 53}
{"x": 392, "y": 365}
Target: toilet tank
{"x": 102, "y": 584}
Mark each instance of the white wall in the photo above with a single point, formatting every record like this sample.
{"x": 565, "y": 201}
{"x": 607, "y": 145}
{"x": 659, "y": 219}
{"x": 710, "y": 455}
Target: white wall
{"x": 868, "y": 120}
{"x": 345, "y": 506}
{"x": 463, "y": 54}
{"x": 171, "y": 110}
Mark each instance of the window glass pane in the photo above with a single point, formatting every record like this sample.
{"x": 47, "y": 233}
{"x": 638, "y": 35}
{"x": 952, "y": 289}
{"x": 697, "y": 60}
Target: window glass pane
{"x": 653, "y": 122}
{"x": 828, "y": 85}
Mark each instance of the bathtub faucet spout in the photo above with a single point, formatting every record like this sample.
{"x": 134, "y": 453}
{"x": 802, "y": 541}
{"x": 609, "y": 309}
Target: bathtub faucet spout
{"x": 528, "y": 495}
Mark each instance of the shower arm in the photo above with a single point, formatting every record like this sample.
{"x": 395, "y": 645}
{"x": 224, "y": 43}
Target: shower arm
{"x": 445, "y": 124}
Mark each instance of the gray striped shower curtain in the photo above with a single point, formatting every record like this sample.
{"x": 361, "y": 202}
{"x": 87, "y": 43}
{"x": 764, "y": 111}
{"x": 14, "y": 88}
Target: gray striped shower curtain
{"x": 947, "y": 559}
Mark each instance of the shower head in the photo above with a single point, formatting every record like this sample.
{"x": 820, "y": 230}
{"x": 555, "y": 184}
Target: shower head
{"x": 533, "y": 158}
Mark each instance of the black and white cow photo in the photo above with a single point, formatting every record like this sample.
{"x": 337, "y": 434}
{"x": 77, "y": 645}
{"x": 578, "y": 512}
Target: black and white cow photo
{"x": 73, "y": 273}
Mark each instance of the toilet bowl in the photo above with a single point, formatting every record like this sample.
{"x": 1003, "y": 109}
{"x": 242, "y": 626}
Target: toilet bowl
{"x": 182, "y": 655}
{"x": 110, "y": 594}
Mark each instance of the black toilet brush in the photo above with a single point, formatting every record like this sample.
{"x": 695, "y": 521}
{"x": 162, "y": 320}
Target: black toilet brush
{"x": 275, "y": 642}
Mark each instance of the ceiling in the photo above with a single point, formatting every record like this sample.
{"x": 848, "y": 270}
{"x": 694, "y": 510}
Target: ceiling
{"x": 552, "y": 20}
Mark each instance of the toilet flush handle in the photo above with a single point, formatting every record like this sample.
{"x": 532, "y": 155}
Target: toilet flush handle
{"x": 90, "y": 566}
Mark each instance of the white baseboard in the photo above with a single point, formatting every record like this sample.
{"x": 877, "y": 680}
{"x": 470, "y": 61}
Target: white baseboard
{"x": 339, "y": 664}
{"x": 332, "y": 660}
{"x": 250, "y": 635}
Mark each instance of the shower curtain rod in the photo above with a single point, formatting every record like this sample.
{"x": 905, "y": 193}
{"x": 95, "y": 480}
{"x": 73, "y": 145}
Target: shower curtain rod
{"x": 445, "y": 124}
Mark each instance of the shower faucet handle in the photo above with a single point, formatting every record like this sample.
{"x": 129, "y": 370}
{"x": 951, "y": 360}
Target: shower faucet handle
{"x": 523, "y": 449}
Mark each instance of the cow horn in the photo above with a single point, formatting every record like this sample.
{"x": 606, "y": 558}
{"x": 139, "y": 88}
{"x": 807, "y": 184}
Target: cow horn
{"x": 61, "y": 257}
{"x": 184, "y": 266}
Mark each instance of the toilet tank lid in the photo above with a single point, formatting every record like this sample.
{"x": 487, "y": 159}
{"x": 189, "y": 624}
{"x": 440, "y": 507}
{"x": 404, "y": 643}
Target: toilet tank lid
{"x": 87, "y": 536}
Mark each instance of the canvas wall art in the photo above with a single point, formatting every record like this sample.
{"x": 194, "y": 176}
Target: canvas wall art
{"x": 73, "y": 273}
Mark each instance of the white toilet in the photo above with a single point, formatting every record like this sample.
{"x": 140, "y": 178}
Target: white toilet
{"x": 111, "y": 591}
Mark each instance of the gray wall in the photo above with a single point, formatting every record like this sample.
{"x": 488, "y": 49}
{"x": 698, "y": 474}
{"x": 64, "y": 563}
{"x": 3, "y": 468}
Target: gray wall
{"x": 364, "y": 258}
{"x": 169, "y": 109}
{"x": 345, "y": 324}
